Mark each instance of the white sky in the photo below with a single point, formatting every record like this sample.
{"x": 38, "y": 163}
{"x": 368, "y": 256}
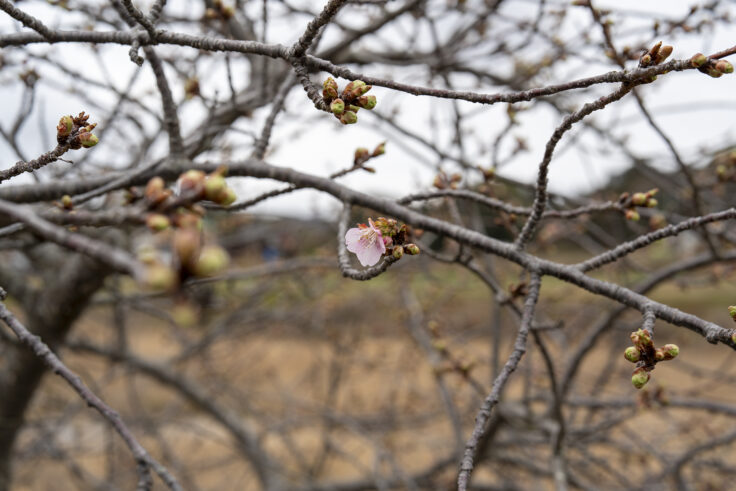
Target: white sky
{"x": 319, "y": 144}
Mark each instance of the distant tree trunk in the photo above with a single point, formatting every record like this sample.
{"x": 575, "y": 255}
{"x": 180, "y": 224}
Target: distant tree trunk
{"x": 50, "y": 313}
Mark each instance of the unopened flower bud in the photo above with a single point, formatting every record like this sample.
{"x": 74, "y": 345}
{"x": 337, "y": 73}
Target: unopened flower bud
{"x": 227, "y": 198}
{"x": 87, "y": 139}
{"x": 724, "y": 67}
{"x": 154, "y": 189}
{"x": 157, "y": 222}
{"x": 191, "y": 180}
{"x": 698, "y": 60}
{"x": 212, "y": 260}
{"x": 411, "y": 249}
{"x": 659, "y": 354}
{"x": 160, "y": 277}
{"x": 380, "y": 149}
{"x": 645, "y": 60}
{"x": 655, "y": 49}
{"x": 65, "y": 126}
{"x": 663, "y": 54}
{"x": 349, "y": 117}
{"x": 732, "y": 311}
{"x": 632, "y": 354}
{"x": 632, "y": 215}
{"x": 670, "y": 351}
{"x": 398, "y": 252}
{"x": 361, "y": 154}
{"x": 329, "y": 91}
{"x": 641, "y": 339}
{"x": 337, "y": 106}
{"x": 651, "y": 203}
{"x": 353, "y": 108}
{"x": 66, "y": 202}
{"x": 640, "y": 378}
{"x": 367, "y": 101}
{"x": 214, "y": 186}
{"x": 638, "y": 199}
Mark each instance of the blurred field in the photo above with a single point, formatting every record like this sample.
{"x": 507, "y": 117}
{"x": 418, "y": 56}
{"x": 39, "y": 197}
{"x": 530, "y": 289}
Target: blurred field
{"x": 326, "y": 372}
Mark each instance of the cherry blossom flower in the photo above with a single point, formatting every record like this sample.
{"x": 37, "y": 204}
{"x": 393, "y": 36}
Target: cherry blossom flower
{"x": 366, "y": 242}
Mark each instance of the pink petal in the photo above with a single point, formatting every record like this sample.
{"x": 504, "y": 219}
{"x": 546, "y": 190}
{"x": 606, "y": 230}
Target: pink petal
{"x": 352, "y": 239}
{"x": 370, "y": 255}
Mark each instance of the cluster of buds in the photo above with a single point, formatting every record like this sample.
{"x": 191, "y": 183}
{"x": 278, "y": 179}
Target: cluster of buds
{"x": 443, "y": 181}
{"x": 181, "y": 217}
{"x": 345, "y": 106}
{"x": 630, "y": 203}
{"x": 219, "y": 11}
{"x": 656, "y": 55}
{"x": 211, "y": 187}
{"x": 646, "y": 356}
{"x": 363, "y": 155}
{"x": 76, "y": 132}
{"x": 452, "y": 363}
{"x": 713, "y": 68}
{"x": 382, "y": 237}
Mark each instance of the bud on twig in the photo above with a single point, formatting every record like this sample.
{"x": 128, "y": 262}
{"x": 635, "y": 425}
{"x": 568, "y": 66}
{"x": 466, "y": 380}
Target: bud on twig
{"x": 632, "y": 354}
{"x": 640, "y": 378}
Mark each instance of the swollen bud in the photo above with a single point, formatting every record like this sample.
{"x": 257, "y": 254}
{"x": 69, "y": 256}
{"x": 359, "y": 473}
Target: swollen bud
{"x": 651, "y": 203}
{"x": 411, "y": 249}
{"x": 632, "y": 215}
{"x": 66, "y": 202}
{"x": 639, "y": 199}
{"x": 157, "y": 222}
{"x": 191, "y": 179}
{"x": 669, "y": 351}
{"x": 65, "y": 126}
{"x": 367, "y": 102}
{"x": 212, "y": 260}
{"x": 349, "y": 117}
{"x": 640, "y": 378}
{"x": 732, "y": 311}
{"x": 724, "y": 67}
{"x": 214, "y": 186}
{"x": 663, "y": 54}
{"x": 228, "y": 197}
{"x": 154, "y": 189}
{"x": 88, "y": 140}
{"x": 337, "y": 106}
{"x": 698, "y": 60}
{"x": 329, "y": 87}
{"x": 361, "y": 154}
{"x": 398, "y": 252}
{"x": 379, "y": 150}
{"x": 632, "y": 354}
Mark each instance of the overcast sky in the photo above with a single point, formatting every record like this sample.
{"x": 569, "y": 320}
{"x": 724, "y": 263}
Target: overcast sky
{"x": 695, "y": 110}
